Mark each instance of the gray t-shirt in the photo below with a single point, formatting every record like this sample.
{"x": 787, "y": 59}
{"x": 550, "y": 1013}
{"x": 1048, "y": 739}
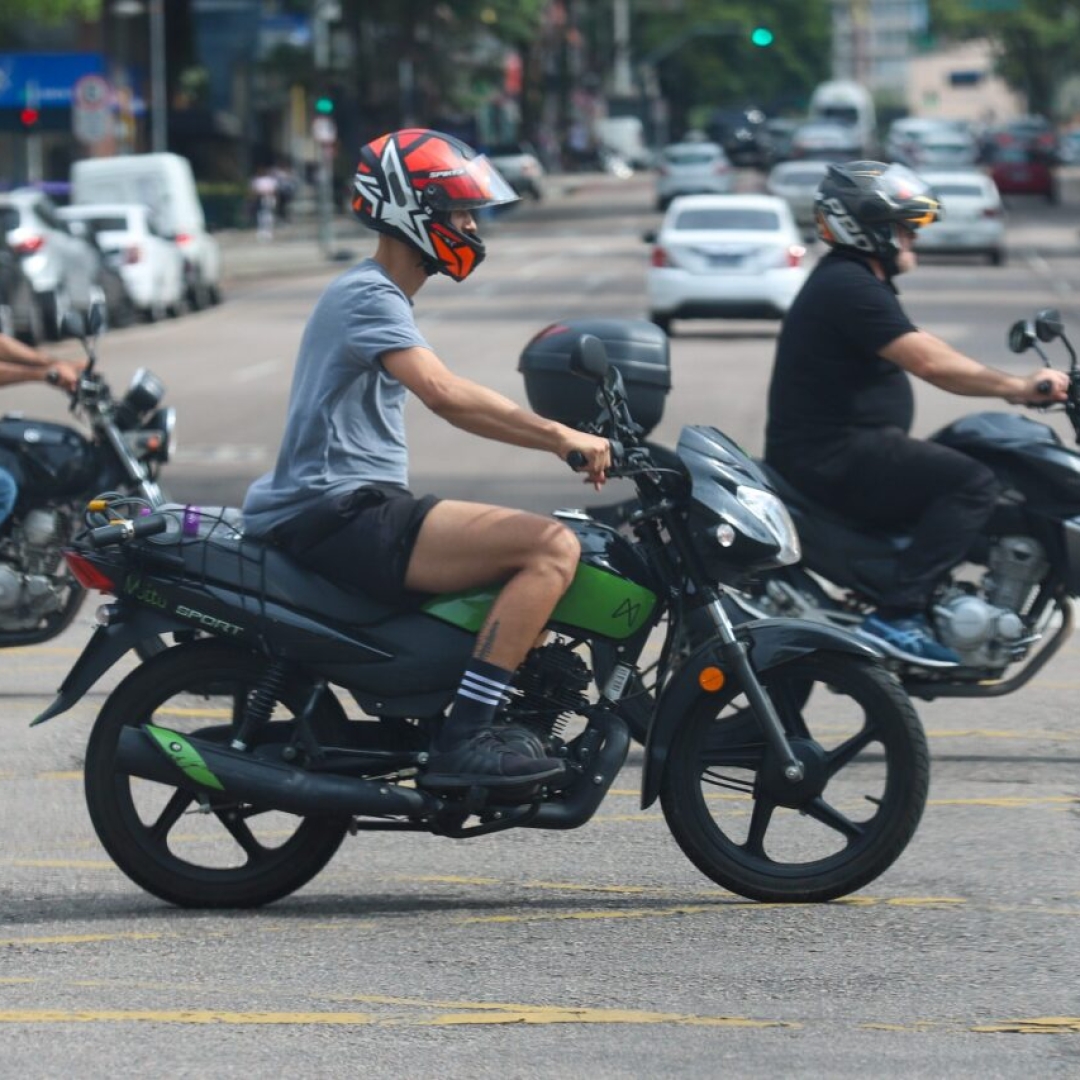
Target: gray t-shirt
{"x": 345, "y": 425}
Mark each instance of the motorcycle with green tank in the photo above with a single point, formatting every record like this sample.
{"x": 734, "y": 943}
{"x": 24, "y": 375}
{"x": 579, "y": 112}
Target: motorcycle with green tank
{"x": 292, "y": 712}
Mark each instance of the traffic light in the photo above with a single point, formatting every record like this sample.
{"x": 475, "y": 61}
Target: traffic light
{"x": 29, "y": 117}
{"x": 761, "y": 36}
{"x": 324, "y": 105}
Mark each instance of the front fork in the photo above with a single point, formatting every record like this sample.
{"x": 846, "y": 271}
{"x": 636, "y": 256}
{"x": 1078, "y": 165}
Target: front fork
{"x": 734, "y": 652}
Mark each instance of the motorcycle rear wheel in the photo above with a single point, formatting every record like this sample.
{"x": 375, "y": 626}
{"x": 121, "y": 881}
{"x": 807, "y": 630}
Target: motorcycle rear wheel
{"x": 236, "y": 855}
{"x": 868, "y": 773}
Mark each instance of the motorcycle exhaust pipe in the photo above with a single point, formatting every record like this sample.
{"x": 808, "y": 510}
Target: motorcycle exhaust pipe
{"x": 581, "y": 800}
{"x": 158, "y": 754}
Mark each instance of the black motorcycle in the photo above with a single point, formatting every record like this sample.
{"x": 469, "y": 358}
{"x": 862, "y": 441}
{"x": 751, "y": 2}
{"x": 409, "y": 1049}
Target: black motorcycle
{"x": 1013, "y": 613}
{"x": 225, "y": 771}
{"x": 58, "y": 469}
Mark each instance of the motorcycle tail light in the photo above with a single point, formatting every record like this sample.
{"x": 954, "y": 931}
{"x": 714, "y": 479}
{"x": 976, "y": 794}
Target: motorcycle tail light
{"x": 660, "y": 257}
{"x": 87, "y": 574}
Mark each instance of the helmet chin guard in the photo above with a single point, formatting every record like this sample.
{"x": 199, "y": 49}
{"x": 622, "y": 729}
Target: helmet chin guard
{"x": 408, "y": 184}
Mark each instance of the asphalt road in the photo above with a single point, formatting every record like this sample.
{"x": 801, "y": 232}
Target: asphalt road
{"x": 600, "y": 952}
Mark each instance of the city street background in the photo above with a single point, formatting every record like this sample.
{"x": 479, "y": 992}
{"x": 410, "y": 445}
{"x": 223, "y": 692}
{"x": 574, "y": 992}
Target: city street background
{"x": 600, "y": 952}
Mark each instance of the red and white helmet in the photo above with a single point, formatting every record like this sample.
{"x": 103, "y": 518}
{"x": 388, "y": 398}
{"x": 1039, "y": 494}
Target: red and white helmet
{"x": 407, "y": 184}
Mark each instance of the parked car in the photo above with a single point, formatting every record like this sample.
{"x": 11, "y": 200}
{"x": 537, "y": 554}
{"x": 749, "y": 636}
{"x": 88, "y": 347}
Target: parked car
{"x": 973, "y": 216}
{"x": 521, "y": 167}
{"x": 20, "y": 314}
{"x": 1018, "y": 170}
{"x": 151, "y": 267}
{"x": 166, "y": 184}
{"x": 63, "y": 269}
{"x": 826, "y": 140}
{"x": 692, "y": 168}
{"x": 796, "y": 182}
{"x": 724, "y": 256}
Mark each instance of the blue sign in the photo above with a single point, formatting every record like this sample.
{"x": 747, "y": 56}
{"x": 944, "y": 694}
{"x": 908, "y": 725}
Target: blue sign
{"x": 51, "y": 76}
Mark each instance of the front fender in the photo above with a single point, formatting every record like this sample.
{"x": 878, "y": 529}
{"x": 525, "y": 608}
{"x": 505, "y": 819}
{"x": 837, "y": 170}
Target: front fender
{"x": 771, "y": 642}
{"x": 106, "y": 645}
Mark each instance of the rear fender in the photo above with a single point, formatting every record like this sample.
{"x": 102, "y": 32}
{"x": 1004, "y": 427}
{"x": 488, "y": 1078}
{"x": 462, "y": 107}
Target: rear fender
{"x": 771, "y": 642}
{"x": 103, "y": 650}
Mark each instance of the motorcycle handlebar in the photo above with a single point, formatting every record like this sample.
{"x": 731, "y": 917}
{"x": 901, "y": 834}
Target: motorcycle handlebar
{"x": 577, "y": 460}
{"x": 121, "y": 531}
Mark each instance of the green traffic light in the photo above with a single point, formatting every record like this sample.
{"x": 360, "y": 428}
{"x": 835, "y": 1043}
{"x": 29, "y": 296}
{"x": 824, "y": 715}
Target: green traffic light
{"x": 324, "y": 105}
{"x": 761, "y": 36}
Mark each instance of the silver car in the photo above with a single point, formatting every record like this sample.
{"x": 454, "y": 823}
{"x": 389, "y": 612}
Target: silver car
{"x": 63, "y": 269}
{"x": 797, "y": 182}
{"x": 692, "y": 168}
{"x": 972, "y": 218}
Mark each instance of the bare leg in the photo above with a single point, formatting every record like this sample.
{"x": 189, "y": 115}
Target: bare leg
{"x": 464, "y": 545}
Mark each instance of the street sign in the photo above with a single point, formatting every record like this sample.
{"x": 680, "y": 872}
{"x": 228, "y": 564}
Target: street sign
{"x": 91, "y": 93}
{"x": 323, "y": 129}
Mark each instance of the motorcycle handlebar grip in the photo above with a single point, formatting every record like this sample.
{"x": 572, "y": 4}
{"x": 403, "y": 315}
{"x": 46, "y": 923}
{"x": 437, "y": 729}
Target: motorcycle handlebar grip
{"x": 576, "y": 460}
{"x": 110, "y": 534}
{"x": 128, "y": 530}
{"x": 1044, "y": 386}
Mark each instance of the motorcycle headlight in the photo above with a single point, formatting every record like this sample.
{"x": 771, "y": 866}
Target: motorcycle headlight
{"x": 142, "y": 397}
{"x": 773, "y": 514}
{"x": 156, "y": 441}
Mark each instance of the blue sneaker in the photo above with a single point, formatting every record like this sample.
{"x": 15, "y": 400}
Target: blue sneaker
{"x": 910, "y": 639}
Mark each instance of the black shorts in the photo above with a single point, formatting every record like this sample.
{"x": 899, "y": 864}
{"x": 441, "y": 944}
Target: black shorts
{"x": 363, "y": 538}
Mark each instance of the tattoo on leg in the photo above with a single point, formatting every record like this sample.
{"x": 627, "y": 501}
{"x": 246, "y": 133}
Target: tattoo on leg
{"x": 486, "y": 642}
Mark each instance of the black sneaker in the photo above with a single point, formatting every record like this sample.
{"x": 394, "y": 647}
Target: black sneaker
{"x": 487, "y": 760}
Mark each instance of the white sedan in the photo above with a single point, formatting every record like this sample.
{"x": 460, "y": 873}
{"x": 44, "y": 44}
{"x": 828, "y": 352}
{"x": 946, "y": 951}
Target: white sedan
{"x": 724, "y": 256}
{"x": 972, "y": 215}
{"x": 151, "y": 265}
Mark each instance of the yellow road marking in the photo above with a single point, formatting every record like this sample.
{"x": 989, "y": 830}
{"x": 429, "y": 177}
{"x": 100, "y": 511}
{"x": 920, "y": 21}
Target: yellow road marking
{"x": 65, "y": 864}
{"x": 509, "y": 1014}
{"x": 1038, "y": 1025}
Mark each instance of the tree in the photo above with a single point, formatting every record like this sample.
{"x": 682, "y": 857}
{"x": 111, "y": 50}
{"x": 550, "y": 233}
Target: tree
{"x": 717, "y": 64}
{"x": 16, "y": 13}
{"x": 1036, "y": 41}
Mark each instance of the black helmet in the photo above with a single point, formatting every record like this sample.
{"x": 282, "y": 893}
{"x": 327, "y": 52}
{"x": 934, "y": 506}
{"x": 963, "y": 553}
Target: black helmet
{"x": 409, "y": 182}
{"x": 859, "y": 204}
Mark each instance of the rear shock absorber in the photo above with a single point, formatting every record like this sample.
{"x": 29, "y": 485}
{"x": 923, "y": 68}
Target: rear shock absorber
{"x": 260, "y": 703}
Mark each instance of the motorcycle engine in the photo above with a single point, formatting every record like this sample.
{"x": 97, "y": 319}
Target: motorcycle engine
{"x": 547, "y": 689}
{"x": 990, "y": 633}
{"x": 30, "y": 557}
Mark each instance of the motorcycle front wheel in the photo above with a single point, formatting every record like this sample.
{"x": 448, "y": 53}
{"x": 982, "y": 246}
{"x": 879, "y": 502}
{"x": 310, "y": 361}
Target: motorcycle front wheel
{"x": 224, "y": 853}
{"x": 867, "y": 766}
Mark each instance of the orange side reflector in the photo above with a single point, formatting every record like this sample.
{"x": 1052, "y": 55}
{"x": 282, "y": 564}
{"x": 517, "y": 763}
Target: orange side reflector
{"x": 710, "y": 679}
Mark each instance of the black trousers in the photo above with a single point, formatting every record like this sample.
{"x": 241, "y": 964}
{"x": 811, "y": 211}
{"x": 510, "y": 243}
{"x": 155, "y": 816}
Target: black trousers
{"x": 885, "y": 478}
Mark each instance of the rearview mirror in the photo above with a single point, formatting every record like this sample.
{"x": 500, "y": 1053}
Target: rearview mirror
{"x": 95, "y": 317}
{"x": 72, "y": 324}
{"x": 1021, "y": 336}
{"x": 588, "y": 358}
{"x": 1048, "y": 324}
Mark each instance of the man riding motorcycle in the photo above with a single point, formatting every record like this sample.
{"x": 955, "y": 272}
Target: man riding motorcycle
{"x": 338, "y": 498}
{"x": 841, "y": 404}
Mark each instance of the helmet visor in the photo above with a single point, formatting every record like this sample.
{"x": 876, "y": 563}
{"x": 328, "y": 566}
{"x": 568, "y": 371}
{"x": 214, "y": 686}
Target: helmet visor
{"x": 474, "y": 183}
{"x": 917, "y": 203}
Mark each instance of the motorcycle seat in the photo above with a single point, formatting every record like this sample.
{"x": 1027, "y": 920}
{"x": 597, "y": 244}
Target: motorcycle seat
{"x": 223, "y": 555}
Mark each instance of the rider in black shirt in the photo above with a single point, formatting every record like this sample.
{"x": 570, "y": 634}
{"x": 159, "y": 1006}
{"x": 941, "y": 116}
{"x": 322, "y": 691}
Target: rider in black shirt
{"x": 841, "y": 403}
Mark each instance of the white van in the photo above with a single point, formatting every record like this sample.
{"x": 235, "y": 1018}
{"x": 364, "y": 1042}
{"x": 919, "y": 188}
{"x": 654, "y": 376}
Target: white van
{"x": 847, "y": 103}
{"x": 166, "y": 184}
